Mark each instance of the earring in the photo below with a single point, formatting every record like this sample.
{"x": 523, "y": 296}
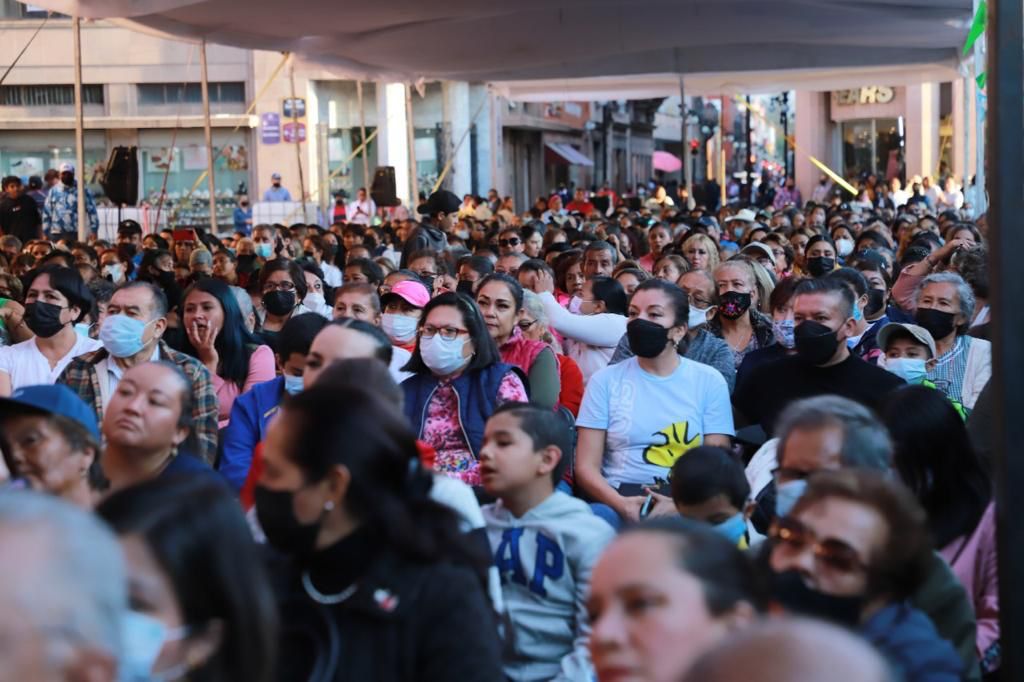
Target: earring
{"x": 328, "y": 505}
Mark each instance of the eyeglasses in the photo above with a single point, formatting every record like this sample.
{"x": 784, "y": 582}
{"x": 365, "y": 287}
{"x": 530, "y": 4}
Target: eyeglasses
{"x": 831, "y": 553}
{"x": 514, "y": 241}
{"x": 278, "y": 286}
{"x": 526, "y": 324}
{"x": 429, "y": 331}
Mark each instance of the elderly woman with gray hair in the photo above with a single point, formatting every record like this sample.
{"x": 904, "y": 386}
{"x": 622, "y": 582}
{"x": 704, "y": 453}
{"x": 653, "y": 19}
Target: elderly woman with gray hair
{"x": 944, "y": 305}
{"x": 534, "y": 325}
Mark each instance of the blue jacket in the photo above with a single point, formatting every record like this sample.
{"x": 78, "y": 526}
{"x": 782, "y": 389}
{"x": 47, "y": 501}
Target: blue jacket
{"x": 477, "y": 393}
{"x": 248, "y": 427}
{"x": 908, "y": 640}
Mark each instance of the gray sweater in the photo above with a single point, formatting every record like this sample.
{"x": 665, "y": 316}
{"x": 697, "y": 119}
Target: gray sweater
{"x": 545, "y": 558}
{"x": 705, "y": 348}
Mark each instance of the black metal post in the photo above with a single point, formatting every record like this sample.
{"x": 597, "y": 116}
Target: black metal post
{"x": 748, "y": 163}
{"x": 785, "y": 131}
{"x": 1005, "y": 180}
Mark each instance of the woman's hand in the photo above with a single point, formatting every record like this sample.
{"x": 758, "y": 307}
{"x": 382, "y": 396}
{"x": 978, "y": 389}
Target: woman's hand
{"x": 663, "y": 505}
{"x": 543, "y": 282}
{"x": 203, "y": 340}
{"x": 629, "y": 508}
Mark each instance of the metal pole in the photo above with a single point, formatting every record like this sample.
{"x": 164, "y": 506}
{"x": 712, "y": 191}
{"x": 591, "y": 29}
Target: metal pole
{"x": 687, "y": 172}
{"x": 1005, "y": 84}
{"x": 410, "y": 130}
{"x": 979, "y": 112}
{"x": 785, "y": 131}
{"x": 748, "y": 165}
{"x": 362, "y": 133}
{"x": 83, "y": 226}
{"x": 208, "y": 135}
{"x": 298, "y": 143}
{"x": 721, "y": 151}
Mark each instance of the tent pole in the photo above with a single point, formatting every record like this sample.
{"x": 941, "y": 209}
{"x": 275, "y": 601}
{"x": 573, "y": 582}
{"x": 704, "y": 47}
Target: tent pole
{"x": 298, "y": 142}
{"x": 1005, "y": 111}
{"x": 208, "y": 134}
{"x": 685, "y": 156}
{"x": 362, "y": 133}
{"x": 83, "y": 226}
{"x": 414, "y": 198}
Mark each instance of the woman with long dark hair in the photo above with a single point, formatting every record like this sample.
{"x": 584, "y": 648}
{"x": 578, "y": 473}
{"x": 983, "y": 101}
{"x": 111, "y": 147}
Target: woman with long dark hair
{"x": 935, "y": 459}
{"x": 458, "y": 380}
{"x": 381, "y": 584}
{"x": 216, "y": 335}
{"x": 184, "y": 542}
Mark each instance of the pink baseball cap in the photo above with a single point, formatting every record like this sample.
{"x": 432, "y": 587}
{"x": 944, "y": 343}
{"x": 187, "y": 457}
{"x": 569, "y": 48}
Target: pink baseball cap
{"x": 413, "y": 293}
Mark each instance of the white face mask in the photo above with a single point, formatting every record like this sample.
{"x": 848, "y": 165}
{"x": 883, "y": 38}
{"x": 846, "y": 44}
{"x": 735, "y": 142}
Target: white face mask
{"x": 315, "y": 301}
{"x": 399, "y": 328}
{"x": 443, "y": 356}
{"x": 698, "y": 316}
{"x": 574, "y": 305}
{"x": 115, "y": 271}
{"x": 844, "y": 247}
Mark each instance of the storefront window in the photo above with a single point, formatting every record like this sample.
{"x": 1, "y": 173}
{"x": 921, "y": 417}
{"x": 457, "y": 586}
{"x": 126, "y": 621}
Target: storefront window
{"x": 28, "y": 153}
{"x": 873, "y": 147}
{"x": 346, "y": 170}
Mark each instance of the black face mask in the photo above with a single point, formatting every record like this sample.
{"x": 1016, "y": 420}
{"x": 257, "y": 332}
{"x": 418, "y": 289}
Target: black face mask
{"x": 165, "y": 278}
{"x": 428, "y": 282}
{"x": 276, "y": 513}
{"x": 732, "y": 304}
{"x": 129, "y": 249}
{"x": 279, "y": 302}
{"x": 789, "y": 589}
{"x": 876, "y": 301}
{"x": 43, "y": 319}
{"x": 464, "y": 287}
{"x": 646, "y": 339}
{"x": 308, "y": 255}
{"x": 820, "y": 266}
{"x": 815, "y": 343}
{"x": 939, "y": 323}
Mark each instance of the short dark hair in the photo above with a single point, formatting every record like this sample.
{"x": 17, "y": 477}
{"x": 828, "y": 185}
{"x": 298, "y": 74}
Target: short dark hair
{"x": 783, "y": 293}
{"x": 478, "y": 264}
{"x": 536, "y": 265}
{"x": 545, "y": 428}
{"x": 159, "y": 298}
{"x": 851, "y": 277}
{"x": 601, "y": 245}
{"x": 69, "y": 283}
{"x": 293, "y": 270}
{"x": 297, "y": 334}
{"x": 609, "y": 291}
{"x": 680, "y": 302}
{"x": 706, "y": 472}
{"x": 371, "y": 270}
{"x": 825, "y": 285}
{"x": 11, "y": 180}
{"x": 486, "y": 350}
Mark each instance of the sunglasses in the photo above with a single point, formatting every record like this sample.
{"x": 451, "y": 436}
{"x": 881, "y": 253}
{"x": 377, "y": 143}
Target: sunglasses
{"x": 830, "y": 553}
{"x": 526, "y": 324}
{"x": 514, "y": 241}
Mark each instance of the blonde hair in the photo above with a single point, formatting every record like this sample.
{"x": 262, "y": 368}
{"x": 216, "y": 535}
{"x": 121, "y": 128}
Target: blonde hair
{"x": 709, "y": 244}
{"x": 758, "y": 277}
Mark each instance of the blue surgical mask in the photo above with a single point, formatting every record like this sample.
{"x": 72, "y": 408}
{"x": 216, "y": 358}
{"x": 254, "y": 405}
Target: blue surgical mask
{"x": 443, "y": 356}
{"x": 292, "y": 384}
{"x": 911, "y": 370}
{"x": 734, "y": 528}
{"x": 858, "y": 315}
{"x": 575, "y": 305}
{"x": 787, "y": 494}
{"x": 399, "y": 328}
{"x": 122, "y": 335}
{"x": 82, "y": 329}
{"x": 264, "y": 250}
{"x": 784, "y": 333}
{"x": 142, "y": 639}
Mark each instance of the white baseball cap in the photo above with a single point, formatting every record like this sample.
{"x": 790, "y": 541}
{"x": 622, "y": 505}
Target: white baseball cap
{"x": 67, "y": 167}
{"x": 275, "y": 176}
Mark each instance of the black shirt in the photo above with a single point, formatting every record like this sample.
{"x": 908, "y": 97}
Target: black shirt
{"x": 20, "y": 217}
{"x": 768, "y": 389}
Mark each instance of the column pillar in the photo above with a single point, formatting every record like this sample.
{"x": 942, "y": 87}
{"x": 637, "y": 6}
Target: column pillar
{"x": 393, "y": 138}
{"x": 456, "y": 110}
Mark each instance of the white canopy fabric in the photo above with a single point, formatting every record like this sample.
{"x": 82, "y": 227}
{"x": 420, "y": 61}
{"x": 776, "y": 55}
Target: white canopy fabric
{"x": 562, "y": 40}
{"x": 570, "y": 154}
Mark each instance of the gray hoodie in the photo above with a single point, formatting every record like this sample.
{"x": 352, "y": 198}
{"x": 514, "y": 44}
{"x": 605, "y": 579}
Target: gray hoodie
{"x": 544, "y": 559}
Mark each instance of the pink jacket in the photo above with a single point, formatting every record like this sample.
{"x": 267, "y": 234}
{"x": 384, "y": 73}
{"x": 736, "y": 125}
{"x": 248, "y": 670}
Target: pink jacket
{"x": 261, "y": 368}
{"x": 973, "y": 560}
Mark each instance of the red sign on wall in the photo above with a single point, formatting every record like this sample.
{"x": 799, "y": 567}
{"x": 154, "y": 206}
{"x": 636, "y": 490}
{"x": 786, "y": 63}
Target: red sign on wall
{"x": 293, "y": 131}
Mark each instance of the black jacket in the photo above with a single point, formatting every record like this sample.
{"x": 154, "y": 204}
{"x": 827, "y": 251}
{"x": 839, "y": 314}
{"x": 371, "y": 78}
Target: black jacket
{"x": 20, "y": 217}
{"x": 406, "y": 621}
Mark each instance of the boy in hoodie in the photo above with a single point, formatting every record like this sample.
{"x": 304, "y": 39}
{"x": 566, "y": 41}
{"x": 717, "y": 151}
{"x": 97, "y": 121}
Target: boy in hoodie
{"x": 545, "y": 544}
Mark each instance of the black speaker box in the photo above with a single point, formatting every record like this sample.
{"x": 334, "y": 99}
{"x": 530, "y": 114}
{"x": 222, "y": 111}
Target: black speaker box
{"x": 383, "y": 189}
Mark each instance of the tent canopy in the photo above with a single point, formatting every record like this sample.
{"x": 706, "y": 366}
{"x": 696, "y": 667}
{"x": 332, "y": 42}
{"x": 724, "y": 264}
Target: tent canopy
{"x": 561, "y": 40}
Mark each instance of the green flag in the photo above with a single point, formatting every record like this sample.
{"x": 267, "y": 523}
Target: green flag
{"x": 977, "y": 27}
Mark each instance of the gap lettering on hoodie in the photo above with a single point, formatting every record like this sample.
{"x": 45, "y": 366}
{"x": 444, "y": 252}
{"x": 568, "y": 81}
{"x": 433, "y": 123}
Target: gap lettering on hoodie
{"x": 549, "y": 560}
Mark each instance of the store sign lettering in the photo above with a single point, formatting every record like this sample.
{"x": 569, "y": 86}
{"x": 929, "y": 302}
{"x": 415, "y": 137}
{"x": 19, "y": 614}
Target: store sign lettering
{"x": 869, "y": 95}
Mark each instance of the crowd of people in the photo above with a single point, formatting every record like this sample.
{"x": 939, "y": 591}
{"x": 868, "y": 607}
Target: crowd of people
{"x": 591, "y": 440}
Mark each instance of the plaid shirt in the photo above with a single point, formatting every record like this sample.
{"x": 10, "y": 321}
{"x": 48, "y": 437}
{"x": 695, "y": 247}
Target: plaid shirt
{"x": 81, "y": 377}
{"x": 60, "y": 212}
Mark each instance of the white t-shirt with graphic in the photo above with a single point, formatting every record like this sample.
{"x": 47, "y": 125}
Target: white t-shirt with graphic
{"x": 650, "y": 421}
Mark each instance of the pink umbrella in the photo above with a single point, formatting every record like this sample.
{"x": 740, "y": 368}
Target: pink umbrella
{"x": 666, "y": 162}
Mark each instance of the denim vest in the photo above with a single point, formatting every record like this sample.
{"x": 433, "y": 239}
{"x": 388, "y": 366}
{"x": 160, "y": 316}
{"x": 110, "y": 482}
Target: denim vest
{"x": 477, "y": 393}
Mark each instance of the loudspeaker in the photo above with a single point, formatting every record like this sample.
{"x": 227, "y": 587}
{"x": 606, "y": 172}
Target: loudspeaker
{"x": 121, "y": 178}
{"x": 383, "y": 189}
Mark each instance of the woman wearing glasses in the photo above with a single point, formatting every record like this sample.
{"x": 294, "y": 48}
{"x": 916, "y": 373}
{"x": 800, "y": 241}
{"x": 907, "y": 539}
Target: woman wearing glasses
{"x": 283, "y": 286}
{"x": 216, "y": 335}
{"x": 500, "y": 299}
{"x": 458, "y": 381}
{"x": 853, "y": 549}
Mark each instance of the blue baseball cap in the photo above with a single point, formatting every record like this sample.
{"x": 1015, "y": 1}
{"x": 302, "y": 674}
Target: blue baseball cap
{"x": 55, "y": 399}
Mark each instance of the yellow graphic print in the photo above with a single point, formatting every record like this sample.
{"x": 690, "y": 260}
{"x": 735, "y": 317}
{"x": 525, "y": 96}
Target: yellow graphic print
{"x": 677, "y": 442}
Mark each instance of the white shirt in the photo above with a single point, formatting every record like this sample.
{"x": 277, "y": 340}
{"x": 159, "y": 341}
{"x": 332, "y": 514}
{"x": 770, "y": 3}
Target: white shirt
{"x": 26, "y": 365}
{"x": 651, "y": 421}
{"x": 360, "y": 212}
{"x": 399, "y": 356}
{"x": 115, "y": 371}
{"x": 332, "y": 275}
